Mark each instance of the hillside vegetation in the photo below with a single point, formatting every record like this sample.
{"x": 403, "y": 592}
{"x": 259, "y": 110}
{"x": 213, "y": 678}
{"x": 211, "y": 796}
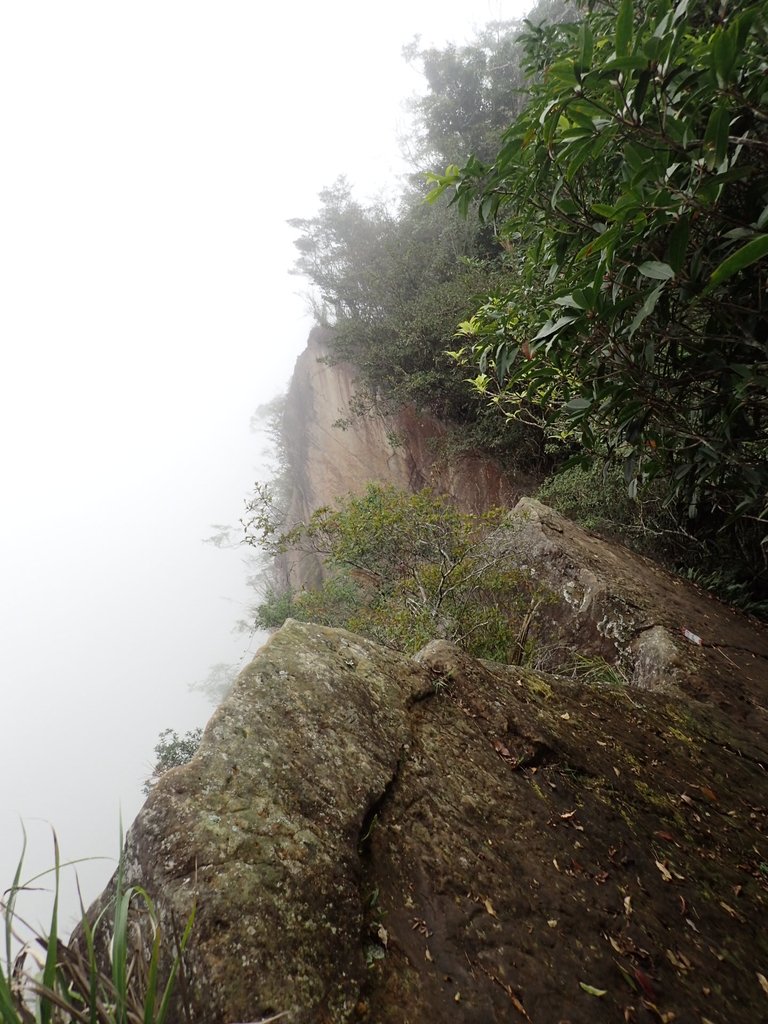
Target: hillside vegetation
{"x": 578, "y": 285}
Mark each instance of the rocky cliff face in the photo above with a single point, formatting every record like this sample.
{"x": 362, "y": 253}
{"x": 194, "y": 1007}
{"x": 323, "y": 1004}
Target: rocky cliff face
{"x": 405, "y": 450}
{"x": 373, "y": 838}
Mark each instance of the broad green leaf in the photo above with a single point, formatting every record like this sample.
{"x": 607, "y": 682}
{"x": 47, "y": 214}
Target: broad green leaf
{"x": 625, "y": 64}
{"x": 678, "y": 243}
{"x": 636, "y": 156}
{"x": 743, "y": 257}
{"x": 586, "y": 45}
{"x": 724, "y": 52}
{"x": 624, "y": 28}
{"x": 597, "y": 244}
{"x": 580, "y": 118}
{"x": 652, "y": 45}
{"x": 681, "y": 10}
{"x": 578, "y": 404}
{"x": 583, "y": 152}
{"x": 656, "y": 270}
{"x": 549, "y": 329}
{"x": 715, "y": 143}
{"x": 638, "y": 96}
{"x": 576, "y": 300}
{"x": 603, "y": 210}
{"x": 646, "y": 309}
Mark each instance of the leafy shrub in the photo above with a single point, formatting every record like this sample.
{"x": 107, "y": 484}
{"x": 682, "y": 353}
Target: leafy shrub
{"x": 404, "y": 569}
{"x": 596, "y": 497}
{"x": 171, "y": 751}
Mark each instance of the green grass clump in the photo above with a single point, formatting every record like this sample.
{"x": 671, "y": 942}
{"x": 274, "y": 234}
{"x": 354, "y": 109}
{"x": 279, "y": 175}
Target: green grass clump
{"x": 52, "y": 982}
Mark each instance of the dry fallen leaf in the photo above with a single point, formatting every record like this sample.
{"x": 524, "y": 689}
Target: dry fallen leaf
{"x": 763, "y": 982}
{"x": 665, "y": 873}
{"x": 678, "y": 961}
{"x": 645, "y": 984}
{"x": 503, "y": 752}
{"x": 566, "y": 717}
{"x": 489, "y": 908}
{"x": 708, "y": 793}
{"x": 729, "y": 910}
{"x": 428, "y": 956}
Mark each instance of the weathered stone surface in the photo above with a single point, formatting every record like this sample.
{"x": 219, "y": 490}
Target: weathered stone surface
{"x": 379, "y": 839}
{"x": 262, "y": 827}
{"x": 609, "y": 601}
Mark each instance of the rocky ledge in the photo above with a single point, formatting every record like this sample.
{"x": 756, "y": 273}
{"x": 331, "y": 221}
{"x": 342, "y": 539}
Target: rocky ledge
{"x": 372, "y": 838}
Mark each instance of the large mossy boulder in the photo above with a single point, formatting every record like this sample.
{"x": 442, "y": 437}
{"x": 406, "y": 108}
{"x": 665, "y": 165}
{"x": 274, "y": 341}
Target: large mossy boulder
{"x": 368, "y": 837}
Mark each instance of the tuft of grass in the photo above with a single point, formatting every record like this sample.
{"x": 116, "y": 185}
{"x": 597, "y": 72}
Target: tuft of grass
{"x": 113, "y": 974}
{"x": 52, "y": 982}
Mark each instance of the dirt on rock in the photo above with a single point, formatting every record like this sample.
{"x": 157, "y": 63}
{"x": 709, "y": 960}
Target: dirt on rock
{"x": 555, "y": 853}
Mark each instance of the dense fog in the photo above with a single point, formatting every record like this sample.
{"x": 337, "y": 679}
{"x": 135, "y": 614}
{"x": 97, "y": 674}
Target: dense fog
{"x": 153, "y": 155}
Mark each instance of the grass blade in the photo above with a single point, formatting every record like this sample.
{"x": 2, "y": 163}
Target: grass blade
{"x": 10, "y": 903}
{"x": 49, "y": 970}
{"x": 177, "y": 963}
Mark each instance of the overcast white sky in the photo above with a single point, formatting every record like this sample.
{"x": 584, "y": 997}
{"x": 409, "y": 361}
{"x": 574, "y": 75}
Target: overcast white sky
{"x": 152, "y": 152}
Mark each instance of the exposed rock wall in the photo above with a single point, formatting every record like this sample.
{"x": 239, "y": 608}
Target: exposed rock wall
{"x": 661, "y": 633}
{"x": 328, "y": 462}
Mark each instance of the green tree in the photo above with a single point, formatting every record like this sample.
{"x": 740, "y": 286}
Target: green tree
{"x": 634, "y": 191}
{"x": 472, "y": 91}
{"x": 171, "y": 750}
{"x": 393, "y": 280}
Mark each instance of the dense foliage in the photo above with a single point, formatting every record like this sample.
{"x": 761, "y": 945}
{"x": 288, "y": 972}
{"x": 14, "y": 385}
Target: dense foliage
{"x": 610, "y": 298}
{"x": 404, "y": 569}
{"x": 633, "y": 190}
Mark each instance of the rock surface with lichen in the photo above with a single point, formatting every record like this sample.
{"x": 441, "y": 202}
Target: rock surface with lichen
{"x": 369, "y": 837}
